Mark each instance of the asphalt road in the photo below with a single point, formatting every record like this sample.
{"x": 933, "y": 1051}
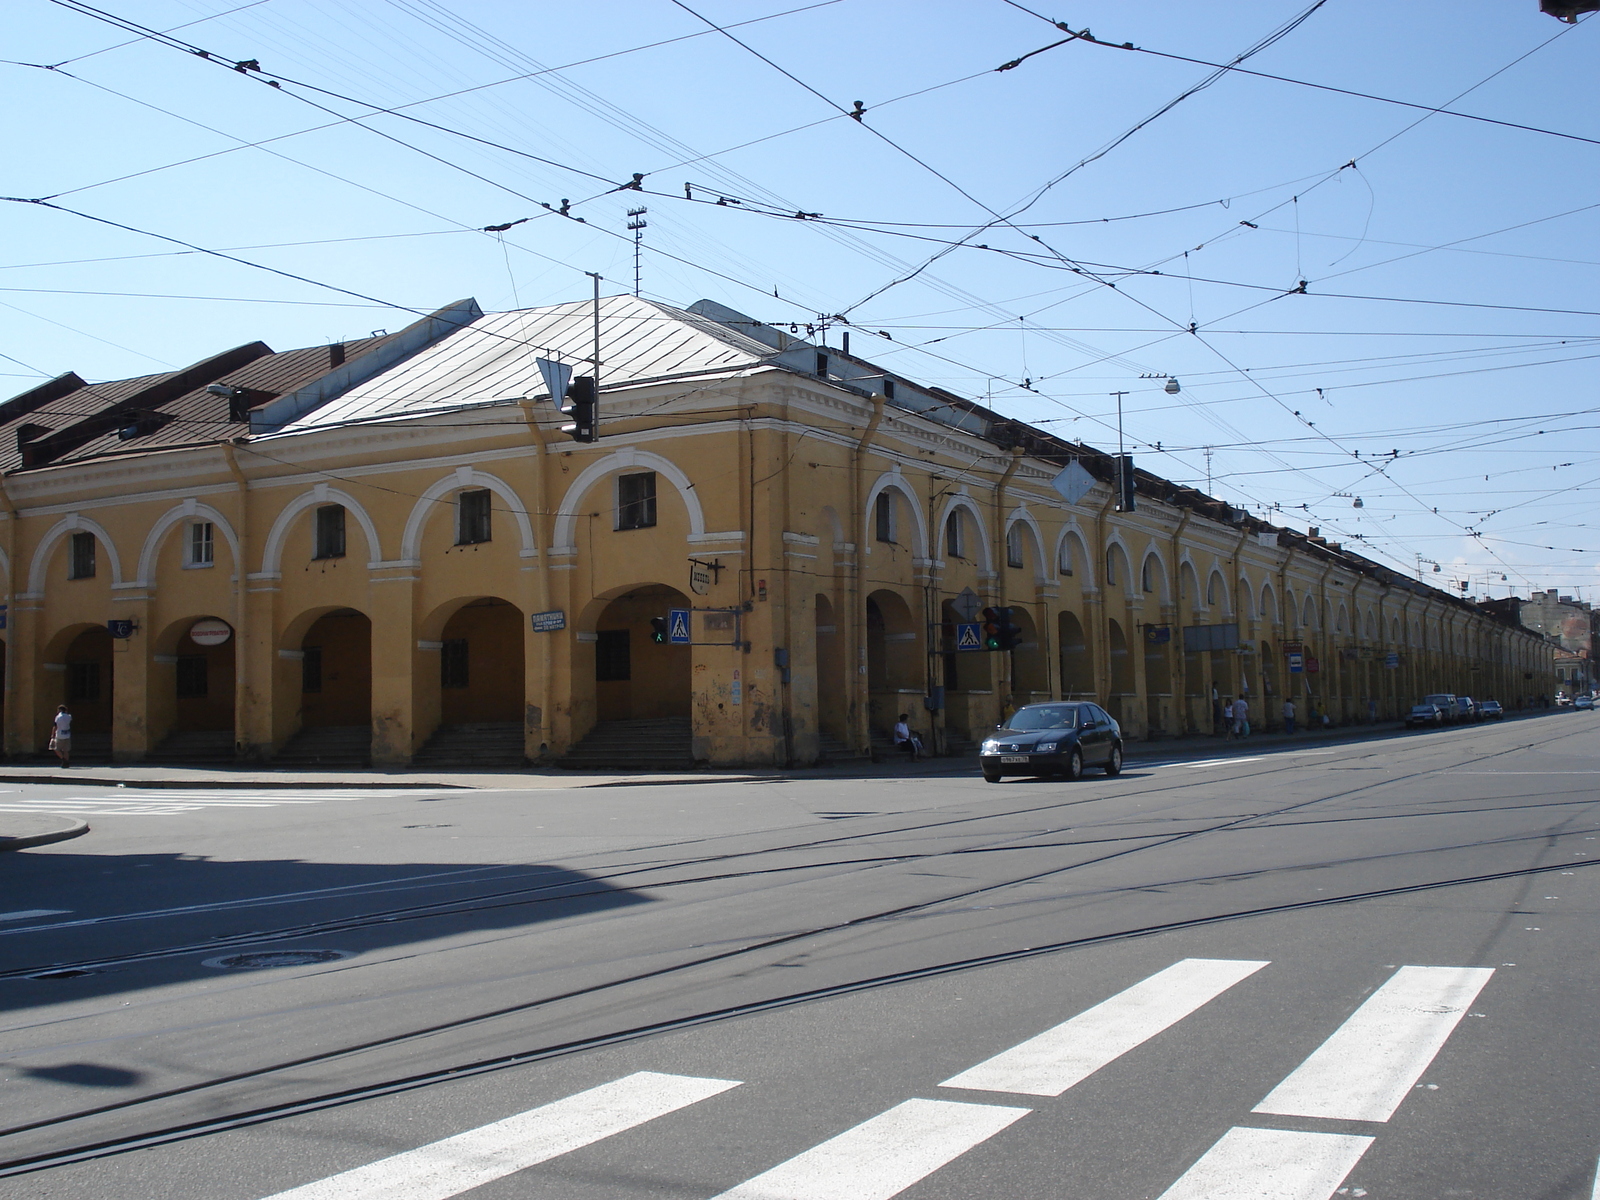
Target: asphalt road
{"x": 1366, "y": 970}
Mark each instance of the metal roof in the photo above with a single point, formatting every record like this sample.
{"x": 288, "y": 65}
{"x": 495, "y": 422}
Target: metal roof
{"x": 494, "y": 358}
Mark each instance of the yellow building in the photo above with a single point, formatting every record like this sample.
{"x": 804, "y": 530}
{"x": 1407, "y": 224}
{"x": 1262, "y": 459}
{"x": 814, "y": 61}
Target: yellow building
{"x": 387, "y": 550}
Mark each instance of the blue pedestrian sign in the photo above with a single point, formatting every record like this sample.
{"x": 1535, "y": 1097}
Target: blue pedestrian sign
{"x": 969, "y": 637}
{"x": 678, "y": 626}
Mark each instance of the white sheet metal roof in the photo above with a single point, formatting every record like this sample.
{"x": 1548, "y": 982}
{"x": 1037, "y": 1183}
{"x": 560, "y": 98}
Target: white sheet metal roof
{"x": 494, "y": 358}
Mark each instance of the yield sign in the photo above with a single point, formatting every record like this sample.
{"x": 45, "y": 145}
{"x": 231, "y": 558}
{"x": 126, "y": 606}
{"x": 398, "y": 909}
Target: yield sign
{"x": 968, "y": 637}
{"x": 678, "y": 626}
{"x": 557, "y": 375}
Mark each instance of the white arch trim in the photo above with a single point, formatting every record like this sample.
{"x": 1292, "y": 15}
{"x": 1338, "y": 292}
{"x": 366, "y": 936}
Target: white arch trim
{"x": 190, "y": 509}
{"x": 1021, "y": 515}
{"x": 272, "y": 552}
{"x": 460, "y": 480}
{"x": 1225, "y": 600}
{"x": 1082, "y": 560}
{"x": 621, "y": 460}
{"x": 966, "y": 503}
{"x": 893, "y": 479}
{"x": 1164, "y": 592}
{"x": 71, "y": 523}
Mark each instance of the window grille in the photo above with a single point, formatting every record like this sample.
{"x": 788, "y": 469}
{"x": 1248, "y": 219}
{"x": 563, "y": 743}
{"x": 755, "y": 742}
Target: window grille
{"x": 82, "y": 554}
{"x": 636, "y": 500}
{"x": 330, "y": 531}
{"x": 472, "y": 517}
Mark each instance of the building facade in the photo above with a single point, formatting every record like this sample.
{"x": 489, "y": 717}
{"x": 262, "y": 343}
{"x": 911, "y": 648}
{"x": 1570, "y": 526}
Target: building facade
{"x": 393, "y": 538}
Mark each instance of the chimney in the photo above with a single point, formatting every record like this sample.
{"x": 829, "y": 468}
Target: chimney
{"x": 336, "y": 354}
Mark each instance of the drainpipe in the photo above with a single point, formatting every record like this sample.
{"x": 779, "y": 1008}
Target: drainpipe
{"x": 1176, "y": 660}
{"x": 1001, "y": 560}
{"x": 1102, "y": 643}
{"x": 241, "y": 603}
{"x": 858, "y": 611}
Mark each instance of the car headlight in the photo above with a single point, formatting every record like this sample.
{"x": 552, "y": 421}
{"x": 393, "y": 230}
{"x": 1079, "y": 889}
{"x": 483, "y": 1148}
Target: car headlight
{"x": 990, "y": 747}
{"x": 1045, "y": 748}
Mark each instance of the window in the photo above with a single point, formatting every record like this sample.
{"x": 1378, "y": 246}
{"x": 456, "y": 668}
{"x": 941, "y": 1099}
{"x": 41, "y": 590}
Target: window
{"x": 1064, "y": 559}
{"x": 472, "y": 518}
{"x": 1147, "y": 578}
{"x": 191, "y": 676}
{"x": 954, "y": 543}
{"x": 81, "y": 565}
{"x": 1211, "y": 590}
{"x": 822, "y": 365}
{"x": 202, "y": 545}
{"x": 636, "y": 501}
{"x": 611, "y": 663}
{"x": 1111, "y": 567}
{"x": 83, "y": 682}
{"x": 311, "y": 669}
{"x": 330, "y": 531}
{"x": 1014, "y": 545}
{"x": 883, "y": 517}
{"x": 453, "y": 662}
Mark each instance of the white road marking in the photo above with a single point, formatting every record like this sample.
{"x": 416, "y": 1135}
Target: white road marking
{"x": 1058, "y": 1058}
{"x": 27, "y": 914}
{"x": 1595, "y": 1195}
{"x": 158, "y": 803}
{"x": 882, "y": 1156}
{"x": 1219, "y": 762}
{"x": 1368, "y": 1065}
{"x": 468, "y": 1160}
{"x": 1270, "y": 1164}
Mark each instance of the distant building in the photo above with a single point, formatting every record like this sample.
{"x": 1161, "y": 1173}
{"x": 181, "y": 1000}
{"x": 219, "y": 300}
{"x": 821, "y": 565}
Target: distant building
{"x": 388, "y": 550}
{"x": 1574, "y": 626}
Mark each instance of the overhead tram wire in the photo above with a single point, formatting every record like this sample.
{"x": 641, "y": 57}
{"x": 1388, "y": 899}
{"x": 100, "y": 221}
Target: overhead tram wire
{"x": 1431, "y": 110}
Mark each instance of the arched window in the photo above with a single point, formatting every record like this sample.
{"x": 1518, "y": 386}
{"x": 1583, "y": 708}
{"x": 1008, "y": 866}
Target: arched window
{"x": 1147, "y": 577}
{"x": 954, "y": 540}
{"x": 1064, "y": 558}
{"x": 884, "y": 516}
{"x": 1211, "y": 591}
{"x": 1111, "y": 566}
{"x": 1014, "y": 545}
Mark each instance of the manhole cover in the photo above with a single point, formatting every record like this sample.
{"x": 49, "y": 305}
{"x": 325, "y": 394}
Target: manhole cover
{"x": 257, "y": 960}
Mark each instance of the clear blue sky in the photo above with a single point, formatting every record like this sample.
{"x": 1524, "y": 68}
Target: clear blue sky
{"x": 1450, "y": 300}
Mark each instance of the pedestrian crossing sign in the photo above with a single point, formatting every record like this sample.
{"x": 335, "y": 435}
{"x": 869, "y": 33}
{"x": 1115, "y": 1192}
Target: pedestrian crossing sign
{"x": 969, "y": 637}
{"x": 678, "y": 626}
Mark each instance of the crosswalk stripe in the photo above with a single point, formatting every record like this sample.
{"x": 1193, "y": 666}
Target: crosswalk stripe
{"x": 1058, "y": 1058}
{"x": 882, "y": 1156}
{"x": 468, "y": 1160}
{"x": 1366, "y": 1067}
{"x": 27, "y": 914}
{"x": 1270, "y": 1164}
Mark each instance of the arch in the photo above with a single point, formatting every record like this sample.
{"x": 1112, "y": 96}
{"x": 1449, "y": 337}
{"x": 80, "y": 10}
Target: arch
{"x": 1217, "y": 591}
{"x": 1189, "y": 583}
{"x": 961, "y": 502}
{"x": 1077, "y": 668}
{"x": 188, "y": 510}
{"x": 1342, "y": 620}
{"x": 835, "y": 526}
{"x": 478, "y": 675}
{"x": 1269, "y": 604}
{"x": 1071, "y": 544}
{"x": 1308, "y": 615}
{"x": 71, "y": 523}
{"x": 1118, "y": 564}
{"x": 621, "y": 460}
{"x": 460, "y": 480}
{"x": 893, "y": 479}
{"x": 1021, "y": 516}
{"x": 322, "y": 493}
{"x": 1246, "y": 606}
{"x": 1157, "y": 578}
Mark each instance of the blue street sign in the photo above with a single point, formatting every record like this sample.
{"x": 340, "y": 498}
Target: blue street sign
{"x": 678, "y": 626}
{"x": 549, "y": 622}
{"x": 1297, "y": 663}
{"x": 969, "y": 637}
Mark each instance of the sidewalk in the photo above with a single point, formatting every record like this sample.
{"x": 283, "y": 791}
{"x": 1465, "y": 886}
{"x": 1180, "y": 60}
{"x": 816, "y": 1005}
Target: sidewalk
{"x": 537, "y": 778}
{"x": 39, "y": 829}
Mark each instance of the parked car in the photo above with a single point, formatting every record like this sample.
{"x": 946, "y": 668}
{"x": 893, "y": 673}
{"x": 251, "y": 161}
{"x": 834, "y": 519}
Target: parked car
{"x": 1424, "y": 716}
{"x": 1445, "y": 702}
{"x": 1583, "y": 702}
{"x": 1467, "y": 709}
{"x": 1492, "y": 711}
{"x": 1563, "y": 700}
{"x": 1053, "y": 739}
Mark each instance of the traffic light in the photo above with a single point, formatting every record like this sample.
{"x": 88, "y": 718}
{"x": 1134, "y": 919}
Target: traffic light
{"x": 1125, "y": 488}
{"x": 580, "y": 403}
{"x": 658, "y": 630}
{"x": 1000, "y": 632}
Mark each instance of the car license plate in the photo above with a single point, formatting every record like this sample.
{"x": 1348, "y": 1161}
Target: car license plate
{"x": 1015, "y": 758}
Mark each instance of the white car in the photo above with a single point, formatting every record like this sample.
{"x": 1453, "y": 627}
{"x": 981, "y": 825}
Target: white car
{"x": 1584, "y": 702}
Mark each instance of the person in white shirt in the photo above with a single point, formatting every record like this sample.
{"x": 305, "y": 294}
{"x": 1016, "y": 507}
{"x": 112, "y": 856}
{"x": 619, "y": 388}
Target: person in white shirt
{"x": 1241, "y": 718}
{"x": 1288, "y": 715}
{"x": 61, "y": 735}
{"x": 905, "y": 739}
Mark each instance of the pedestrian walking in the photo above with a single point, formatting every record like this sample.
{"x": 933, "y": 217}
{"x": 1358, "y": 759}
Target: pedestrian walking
{"x": 61, "y": 735}
{"x": 1288, "y": 714}
{"x": 1372, "y": 711}
{"x": 1219, "y": 717}
{"x": 1225, "y": 717}
{"x": 1241, "y": 718}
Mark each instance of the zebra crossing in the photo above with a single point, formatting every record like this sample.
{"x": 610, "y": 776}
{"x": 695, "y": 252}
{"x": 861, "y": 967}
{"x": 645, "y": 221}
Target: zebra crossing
{"x": 1362, "y": 1072}
{"x": 156, "y": 802}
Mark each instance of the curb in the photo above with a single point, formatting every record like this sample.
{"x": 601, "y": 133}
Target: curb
{"x": 76, "y": 829}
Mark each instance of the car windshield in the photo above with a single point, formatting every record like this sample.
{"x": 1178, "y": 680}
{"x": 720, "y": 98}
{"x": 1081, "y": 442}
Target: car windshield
{"x": 1044, "y": 716}
{"x": 1422, "y": 708}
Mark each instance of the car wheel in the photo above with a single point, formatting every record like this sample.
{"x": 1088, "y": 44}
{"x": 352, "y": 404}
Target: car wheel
{"x": 1074, "y": 767}
{"x": 1114, "y": 762}
{"x": 991, "y": 776}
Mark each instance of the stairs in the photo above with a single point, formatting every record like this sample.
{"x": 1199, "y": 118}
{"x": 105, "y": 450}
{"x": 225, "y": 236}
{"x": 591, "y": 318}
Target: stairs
{"x": 832, "y": 752}
{"x": 663, "y": 744}
{"x": 327, "y": 746}
{"x": 88, "y": 749}
{"x": 480, "y": 745}
{"x": 196, "y": 748}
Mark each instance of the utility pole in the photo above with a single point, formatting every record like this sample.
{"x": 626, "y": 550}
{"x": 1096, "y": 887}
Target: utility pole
{"x": 637, "y": 225}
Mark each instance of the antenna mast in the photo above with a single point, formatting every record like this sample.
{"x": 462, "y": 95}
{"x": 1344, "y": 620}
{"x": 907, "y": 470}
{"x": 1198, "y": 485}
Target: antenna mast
{"x": 637, "y": 225}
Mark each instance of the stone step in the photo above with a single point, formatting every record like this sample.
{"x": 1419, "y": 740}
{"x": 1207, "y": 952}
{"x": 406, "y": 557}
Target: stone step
{"x": 327, "y": 746}
{"x": 652, "y": 744}
{"x": 207, "y": 747}
{"x": 478, "y": 744}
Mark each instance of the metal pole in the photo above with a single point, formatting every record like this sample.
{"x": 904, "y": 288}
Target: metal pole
{"x": 596, "y": 358}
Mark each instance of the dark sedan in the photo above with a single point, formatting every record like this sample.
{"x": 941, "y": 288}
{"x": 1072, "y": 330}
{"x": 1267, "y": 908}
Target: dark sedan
{"x": 1059, "y": 738}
